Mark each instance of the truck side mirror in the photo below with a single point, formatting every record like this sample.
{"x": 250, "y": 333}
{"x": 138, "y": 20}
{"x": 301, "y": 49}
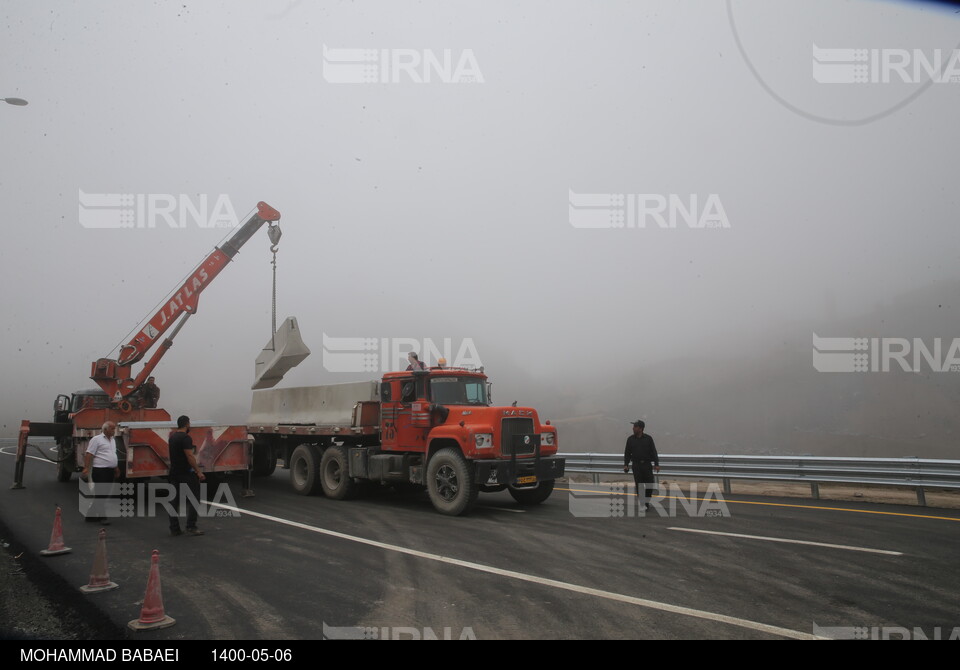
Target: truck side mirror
{"x": 61, "y": 404}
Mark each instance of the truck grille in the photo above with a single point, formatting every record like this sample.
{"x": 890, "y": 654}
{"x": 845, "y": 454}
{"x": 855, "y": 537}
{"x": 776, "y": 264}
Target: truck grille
{"x": 516, "y": 426}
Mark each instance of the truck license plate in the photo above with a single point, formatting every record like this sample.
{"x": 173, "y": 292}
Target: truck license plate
{"x": 527, "y": 480}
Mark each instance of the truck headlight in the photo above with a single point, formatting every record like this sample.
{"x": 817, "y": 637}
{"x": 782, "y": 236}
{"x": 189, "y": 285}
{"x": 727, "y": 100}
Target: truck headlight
{"x": 484, "y": 440}
{"x": 547, "y": 439}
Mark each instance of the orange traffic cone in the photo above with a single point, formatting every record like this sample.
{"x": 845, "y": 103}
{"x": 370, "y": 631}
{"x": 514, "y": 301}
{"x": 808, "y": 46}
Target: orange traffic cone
{"x": 151, "y": 614}
{"x": 56, "y": 538}
{"x": 99, "y": 576}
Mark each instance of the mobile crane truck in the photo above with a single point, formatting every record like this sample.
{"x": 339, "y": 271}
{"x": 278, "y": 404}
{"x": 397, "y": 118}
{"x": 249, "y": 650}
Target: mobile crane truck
{"x": 432, "y": 428}
{"x": 142, "y": 431}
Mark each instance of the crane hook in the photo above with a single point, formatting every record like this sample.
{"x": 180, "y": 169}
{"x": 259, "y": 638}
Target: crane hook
{"x": 273, "y": 231}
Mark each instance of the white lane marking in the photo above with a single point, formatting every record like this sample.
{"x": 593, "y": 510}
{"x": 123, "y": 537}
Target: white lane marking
{"x": 576, "y": 588}
{"x": 502, "y": 509}
{"x": 789, "y": 541}
{"x": 36, "y": 458}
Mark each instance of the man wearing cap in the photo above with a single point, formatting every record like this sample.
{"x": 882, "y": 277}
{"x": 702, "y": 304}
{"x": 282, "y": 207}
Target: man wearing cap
{"x": 642, "y": 452}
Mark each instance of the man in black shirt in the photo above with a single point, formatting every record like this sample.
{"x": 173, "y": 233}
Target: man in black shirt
{"x": 642, "y": 452}
{"x": 184, "y": 472}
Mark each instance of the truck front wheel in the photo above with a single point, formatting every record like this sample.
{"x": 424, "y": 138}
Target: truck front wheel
{"x": 304, "y": 471}
{"x": 450, "y": 482}
{"x": 335, "y": 474}
{"x": 533, "y": 496}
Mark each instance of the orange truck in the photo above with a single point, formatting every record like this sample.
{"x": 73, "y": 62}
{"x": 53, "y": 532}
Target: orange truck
{"x": 434, "y": 428}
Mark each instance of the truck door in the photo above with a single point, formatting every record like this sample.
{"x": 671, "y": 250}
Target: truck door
{"x": 398, "y": 431}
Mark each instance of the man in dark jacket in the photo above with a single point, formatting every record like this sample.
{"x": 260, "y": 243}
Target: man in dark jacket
{"x": 150, "y": 393}
{"x": 642, "y": 452}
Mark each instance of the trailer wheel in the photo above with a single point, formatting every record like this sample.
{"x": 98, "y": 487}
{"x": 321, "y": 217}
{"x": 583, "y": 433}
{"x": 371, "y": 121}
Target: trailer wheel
{"x": 335, "y": 474}
{"x": 533, "y": 496}
{"x": 65, "y": 460}
{"x": 450, "y": 482}
{"x": 304, "y": 473}
{"x": 264, "y": 460}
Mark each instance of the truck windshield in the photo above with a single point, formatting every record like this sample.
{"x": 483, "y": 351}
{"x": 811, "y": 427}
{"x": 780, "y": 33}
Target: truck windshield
{"x": 458, "y": 391}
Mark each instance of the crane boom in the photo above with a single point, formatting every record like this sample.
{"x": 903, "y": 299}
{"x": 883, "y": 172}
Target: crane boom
{"x": 113, "y": 376}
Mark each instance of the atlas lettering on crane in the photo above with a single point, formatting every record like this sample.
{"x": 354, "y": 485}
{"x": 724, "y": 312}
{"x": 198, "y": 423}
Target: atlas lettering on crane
{"x": 176, "y": 303}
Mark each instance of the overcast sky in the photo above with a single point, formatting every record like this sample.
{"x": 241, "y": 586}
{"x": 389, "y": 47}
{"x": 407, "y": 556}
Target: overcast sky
{"x": 448, "y": 208}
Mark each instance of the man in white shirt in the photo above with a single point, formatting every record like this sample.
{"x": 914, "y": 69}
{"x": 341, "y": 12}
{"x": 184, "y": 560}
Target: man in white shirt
{"x": 100, "y": 466}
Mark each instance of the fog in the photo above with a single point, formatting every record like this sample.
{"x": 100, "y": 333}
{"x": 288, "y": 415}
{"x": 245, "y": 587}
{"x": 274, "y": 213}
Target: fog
{"x": 450, "y": 208}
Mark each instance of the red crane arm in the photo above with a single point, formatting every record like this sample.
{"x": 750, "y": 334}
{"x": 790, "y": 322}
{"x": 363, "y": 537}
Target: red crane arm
{"x": 109, "y": 374}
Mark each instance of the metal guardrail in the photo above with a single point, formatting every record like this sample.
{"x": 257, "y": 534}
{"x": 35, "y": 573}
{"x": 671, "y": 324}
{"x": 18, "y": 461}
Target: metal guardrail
{"x": 916, "y": 473}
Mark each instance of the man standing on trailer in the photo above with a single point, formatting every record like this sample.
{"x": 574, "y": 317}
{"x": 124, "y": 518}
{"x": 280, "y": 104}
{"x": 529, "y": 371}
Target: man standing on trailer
{"x": 415, "y": 362}
{"x": 150, "y": 393}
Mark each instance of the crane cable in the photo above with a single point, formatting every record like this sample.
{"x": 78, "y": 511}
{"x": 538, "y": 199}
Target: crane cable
{"x": 273, "y": 230}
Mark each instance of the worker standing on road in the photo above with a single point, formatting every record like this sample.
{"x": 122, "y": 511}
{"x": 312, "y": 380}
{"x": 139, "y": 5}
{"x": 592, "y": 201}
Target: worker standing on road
{"x": 185, "y": 476}
{"x": 642, "y": 452}
{"x": 150, "y": 393}
{"x": 415, "y": 362}
{"x": 100, "y": 466}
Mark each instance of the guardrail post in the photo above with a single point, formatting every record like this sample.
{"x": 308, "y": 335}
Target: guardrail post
{"x": 596, "y": 477}
{"x": 921, "y": 497}
{"x": 815, "y": 490}
{"x": 727, "y": 489}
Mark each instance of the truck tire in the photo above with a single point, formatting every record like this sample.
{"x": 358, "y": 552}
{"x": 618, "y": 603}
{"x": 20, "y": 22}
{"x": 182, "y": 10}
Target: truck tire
{"x": 335, "y": 474}
{"x": 304, "y": 470}
{"x": 264, "y": 460}
{"x": 533, "y": 496}
{"x": 451, "y": 484}
{"x": 65, "y": 460}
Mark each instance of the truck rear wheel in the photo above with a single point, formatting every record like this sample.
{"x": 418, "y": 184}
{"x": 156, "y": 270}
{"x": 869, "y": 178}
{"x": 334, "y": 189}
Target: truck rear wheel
{"x": 264, "y": 460}
{"x": 304, "y": 471}
{"x": 533, "y": 496}
{"x": 335, "y": 474}
{"x": 450, "y": 483}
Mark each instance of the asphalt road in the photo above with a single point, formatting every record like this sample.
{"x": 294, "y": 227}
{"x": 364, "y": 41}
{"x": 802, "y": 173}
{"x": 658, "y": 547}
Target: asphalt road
{"x": 582, "y": 565}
